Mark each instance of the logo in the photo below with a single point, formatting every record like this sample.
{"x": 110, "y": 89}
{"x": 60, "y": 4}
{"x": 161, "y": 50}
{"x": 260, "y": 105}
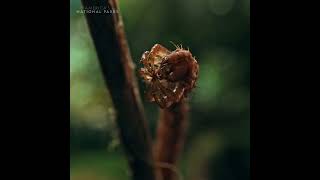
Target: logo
{"x": 96, "y": 10}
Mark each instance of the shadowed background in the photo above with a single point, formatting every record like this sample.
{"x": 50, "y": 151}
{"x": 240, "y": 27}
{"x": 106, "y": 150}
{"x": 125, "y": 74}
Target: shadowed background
{"x": 218, "y": 34}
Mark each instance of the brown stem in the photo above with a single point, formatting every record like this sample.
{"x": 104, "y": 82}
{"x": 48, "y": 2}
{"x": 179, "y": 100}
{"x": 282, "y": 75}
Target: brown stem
{"x": 109, "y": 39}
{"x": 171, "y": 133}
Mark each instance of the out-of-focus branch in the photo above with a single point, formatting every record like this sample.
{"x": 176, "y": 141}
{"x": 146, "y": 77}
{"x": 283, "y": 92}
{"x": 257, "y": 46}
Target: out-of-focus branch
{"x": 108, "y": 36}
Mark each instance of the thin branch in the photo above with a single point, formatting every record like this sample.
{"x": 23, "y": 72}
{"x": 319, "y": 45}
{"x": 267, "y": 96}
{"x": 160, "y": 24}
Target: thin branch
{"x": 171, "y": 133}
{"x": 108, "y": 35}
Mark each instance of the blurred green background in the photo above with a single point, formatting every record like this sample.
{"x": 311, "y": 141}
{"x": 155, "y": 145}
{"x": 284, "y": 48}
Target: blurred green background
{"x": 218, "y": 34}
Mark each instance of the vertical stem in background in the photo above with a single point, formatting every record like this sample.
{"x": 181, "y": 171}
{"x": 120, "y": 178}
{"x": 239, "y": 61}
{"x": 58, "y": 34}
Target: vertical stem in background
{"x": 109, "y": 39}
{"x": 171, "y": 133}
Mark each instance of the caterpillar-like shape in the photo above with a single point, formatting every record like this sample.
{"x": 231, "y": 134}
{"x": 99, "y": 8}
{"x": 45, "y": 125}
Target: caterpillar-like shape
{"x": 169, "y": 75}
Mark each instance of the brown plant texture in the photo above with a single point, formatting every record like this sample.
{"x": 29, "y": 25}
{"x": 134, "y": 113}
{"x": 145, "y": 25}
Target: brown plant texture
{"x": 169, "y": 76}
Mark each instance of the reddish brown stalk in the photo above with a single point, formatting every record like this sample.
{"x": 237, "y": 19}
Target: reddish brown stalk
{"x": 171, "y": 134}
{"x": 170, "y": 76}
